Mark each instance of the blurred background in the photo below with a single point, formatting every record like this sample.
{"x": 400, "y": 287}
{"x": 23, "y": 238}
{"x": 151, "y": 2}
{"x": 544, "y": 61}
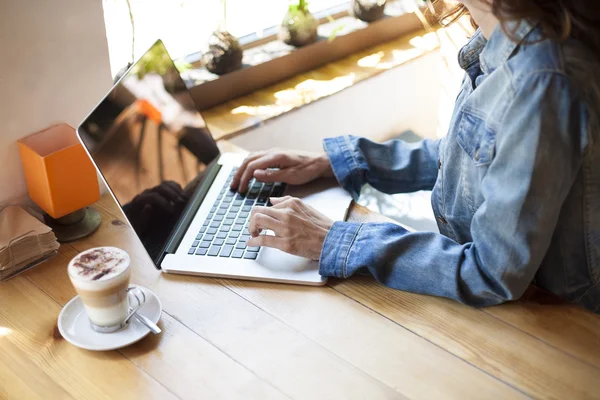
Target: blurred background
{"x": 185, "y": 26}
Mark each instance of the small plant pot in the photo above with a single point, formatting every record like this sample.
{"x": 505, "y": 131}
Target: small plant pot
{"x": 298, "y": 28}
{"x": 368, "y": 10}
{"x": 224, "y": 54}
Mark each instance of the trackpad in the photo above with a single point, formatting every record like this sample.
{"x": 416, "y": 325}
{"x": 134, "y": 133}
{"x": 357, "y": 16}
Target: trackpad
{"x": 325, "y": 195}
{"x": 277, "y": 260}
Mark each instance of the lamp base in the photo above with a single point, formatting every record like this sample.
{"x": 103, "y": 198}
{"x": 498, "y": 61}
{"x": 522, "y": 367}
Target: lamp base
{"x": 76, "y": 225}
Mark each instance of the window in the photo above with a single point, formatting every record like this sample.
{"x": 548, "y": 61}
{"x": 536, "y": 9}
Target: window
{"x": 185, "y": 25}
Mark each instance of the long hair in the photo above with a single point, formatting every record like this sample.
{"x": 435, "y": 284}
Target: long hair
{"x": 559, "y": 19}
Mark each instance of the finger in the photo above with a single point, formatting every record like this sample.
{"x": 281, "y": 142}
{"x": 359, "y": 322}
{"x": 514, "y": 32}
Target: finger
{"x": 272, "y": 175}
{"x": 260, "y": 222}
{"x": 235, "y": 182}
{"x": 266, "y": 161}
{"x": 270, "y": 211}
{"x": 247, "y": 174}
{"x": 238, "y": 174}
{"x": 269, "y": 241}
{"x": 278, "y": 200}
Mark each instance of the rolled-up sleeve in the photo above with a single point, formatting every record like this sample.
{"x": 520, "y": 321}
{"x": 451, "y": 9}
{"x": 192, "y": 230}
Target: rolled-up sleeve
{"x": 539, "y": 152}
{"x": 392, "y": 167}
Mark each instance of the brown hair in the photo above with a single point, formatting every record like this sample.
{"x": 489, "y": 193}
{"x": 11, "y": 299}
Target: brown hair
{"x": 559, "y": 19}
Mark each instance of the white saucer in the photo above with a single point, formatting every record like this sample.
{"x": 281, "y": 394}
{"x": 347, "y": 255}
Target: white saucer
{"x": 74, "y": 325}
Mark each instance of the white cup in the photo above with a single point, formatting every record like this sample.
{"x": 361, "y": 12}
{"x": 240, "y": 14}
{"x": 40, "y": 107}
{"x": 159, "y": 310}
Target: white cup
{"x": 101, "y": 278}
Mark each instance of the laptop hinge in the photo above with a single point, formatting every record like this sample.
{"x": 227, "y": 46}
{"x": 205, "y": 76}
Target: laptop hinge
{"x": 188, "y": 216}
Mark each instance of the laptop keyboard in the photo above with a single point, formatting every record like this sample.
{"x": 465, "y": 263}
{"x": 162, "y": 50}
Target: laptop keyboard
{"x": 225, "y": 230}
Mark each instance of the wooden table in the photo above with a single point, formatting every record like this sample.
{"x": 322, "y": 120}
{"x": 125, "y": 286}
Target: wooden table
{"x": 351, "y": 339}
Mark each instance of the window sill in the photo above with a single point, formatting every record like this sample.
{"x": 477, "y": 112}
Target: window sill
{"x": 274, "y": 61}
{"x": 237, "y": 116}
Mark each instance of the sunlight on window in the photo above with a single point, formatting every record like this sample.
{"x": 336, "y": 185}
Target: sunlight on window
{"x": 301, "y": 94}
{"x": 312, "y": 89}
{"x": 426, "y": 42}
{"x": 4, "y": 331}
{"x": 262, "y": 111}
{"x": 382, "y": 60}
{"x": 371, "y": 61}
{"x": 394, "y": 58}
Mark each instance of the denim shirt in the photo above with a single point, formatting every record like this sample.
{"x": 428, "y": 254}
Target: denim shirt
{"x": 516, "y": 186}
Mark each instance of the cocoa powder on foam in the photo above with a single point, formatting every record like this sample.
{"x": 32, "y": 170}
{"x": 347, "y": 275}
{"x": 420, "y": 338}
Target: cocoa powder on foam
{"x": 97, "y": 263}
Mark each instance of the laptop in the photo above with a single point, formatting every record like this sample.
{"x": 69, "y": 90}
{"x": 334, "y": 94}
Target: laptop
{"x": 159, "y": 161}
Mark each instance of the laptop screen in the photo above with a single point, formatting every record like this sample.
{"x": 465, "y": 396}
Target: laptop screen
{"x": 151, "y": 145}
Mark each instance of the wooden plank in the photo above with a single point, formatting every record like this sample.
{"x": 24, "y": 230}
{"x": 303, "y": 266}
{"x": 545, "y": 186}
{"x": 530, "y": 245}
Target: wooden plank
{"x": 31, "y": 317}
{"x": 293, "y": 363}
{"x": 500, "y": 349}
{"x": 189, "y": 366}
{"x": 25, "y": 379}
{"x": 564, "y": 326}
{"x": 376, "y": 345}
{"x": 567, "y": 327}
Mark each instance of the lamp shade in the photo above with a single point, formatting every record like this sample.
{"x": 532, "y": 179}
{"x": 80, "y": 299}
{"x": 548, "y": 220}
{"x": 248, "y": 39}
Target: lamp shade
{"x": 60, "y": 177}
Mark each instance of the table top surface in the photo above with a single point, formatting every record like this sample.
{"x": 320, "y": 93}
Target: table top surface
{"x": 239, "y": 339}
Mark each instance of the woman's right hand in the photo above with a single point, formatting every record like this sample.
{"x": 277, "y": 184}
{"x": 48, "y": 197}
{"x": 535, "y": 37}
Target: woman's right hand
{"x": 293, "y": 167}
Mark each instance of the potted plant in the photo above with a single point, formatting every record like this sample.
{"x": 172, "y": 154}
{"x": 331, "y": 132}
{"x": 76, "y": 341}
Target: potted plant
{"x": 299, "y": 26}
{"x": 224, "y": 53}
{"x": 368, "y": 10}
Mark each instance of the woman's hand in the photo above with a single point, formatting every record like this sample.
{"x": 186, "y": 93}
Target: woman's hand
{"x": 299, "y": 228}
{"x": 294, "y": 167}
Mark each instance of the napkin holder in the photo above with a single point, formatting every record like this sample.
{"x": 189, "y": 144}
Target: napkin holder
{"x": 10, "y": 270}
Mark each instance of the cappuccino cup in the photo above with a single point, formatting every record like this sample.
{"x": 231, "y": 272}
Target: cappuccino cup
{"x": 101, "y": 278}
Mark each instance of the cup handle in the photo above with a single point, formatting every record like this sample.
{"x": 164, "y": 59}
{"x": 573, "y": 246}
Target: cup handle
{"x": 140, "y": 298}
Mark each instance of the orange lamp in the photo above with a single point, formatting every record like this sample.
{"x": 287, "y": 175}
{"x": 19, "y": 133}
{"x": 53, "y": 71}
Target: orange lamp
{"x": 62, "y": 181}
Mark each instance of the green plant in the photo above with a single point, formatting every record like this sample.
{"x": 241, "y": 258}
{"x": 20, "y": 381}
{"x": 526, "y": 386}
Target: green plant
{"x": 299, "y": 6}
{"x": 157, "y": 61}
{"x": 335, "y": 31}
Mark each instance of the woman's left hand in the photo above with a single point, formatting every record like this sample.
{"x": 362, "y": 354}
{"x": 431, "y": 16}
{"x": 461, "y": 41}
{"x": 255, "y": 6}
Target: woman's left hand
{"x": 299, "y": 228}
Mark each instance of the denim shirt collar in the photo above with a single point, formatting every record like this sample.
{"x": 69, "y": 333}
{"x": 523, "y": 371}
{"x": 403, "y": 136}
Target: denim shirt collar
{"x": 492, "y": 53}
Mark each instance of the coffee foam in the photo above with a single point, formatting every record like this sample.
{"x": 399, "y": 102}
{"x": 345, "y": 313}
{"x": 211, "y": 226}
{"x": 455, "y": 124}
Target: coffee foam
{"x": 99, "y": 264}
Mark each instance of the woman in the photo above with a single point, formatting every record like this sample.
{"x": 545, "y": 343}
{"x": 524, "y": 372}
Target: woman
{"x": 516, "y": 182}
